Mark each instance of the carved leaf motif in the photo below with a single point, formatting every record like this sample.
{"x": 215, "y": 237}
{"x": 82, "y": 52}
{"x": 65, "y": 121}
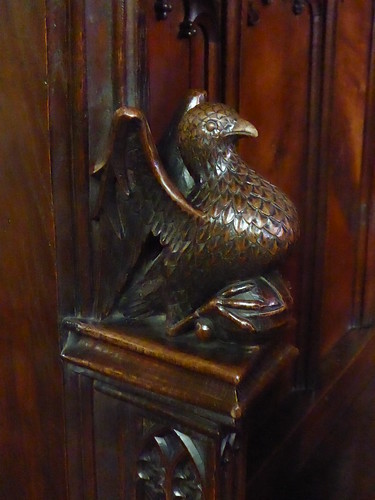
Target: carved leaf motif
{"x": 170, "y": 466}
{"x": 186, "y": 482}
{"x": 151, "y": 474}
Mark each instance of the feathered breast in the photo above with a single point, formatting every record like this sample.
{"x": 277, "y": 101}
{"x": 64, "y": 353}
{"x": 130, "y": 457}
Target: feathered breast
{"x": 246, "y": 206}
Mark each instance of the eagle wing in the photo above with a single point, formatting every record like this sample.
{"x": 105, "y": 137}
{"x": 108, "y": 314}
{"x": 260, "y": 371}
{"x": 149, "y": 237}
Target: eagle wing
{"x": 136, "y": 198}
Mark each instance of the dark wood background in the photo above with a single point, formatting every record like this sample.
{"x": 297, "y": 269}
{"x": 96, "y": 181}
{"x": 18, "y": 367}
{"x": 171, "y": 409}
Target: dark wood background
{"x": 31, "y": 410}
{"x": 302, "y": 72}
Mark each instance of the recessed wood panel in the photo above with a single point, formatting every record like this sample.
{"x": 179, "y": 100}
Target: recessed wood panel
{"x": 274, "y": 91}
{"x": 276, "y": 88}
{"x": 344, "y": 169}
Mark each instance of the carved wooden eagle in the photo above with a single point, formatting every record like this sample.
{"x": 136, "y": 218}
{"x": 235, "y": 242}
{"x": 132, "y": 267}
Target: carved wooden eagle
{"x": 176, "y": 231}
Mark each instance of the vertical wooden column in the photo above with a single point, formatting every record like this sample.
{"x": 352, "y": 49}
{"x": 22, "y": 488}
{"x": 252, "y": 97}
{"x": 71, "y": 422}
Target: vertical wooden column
{"x": 148, "y": 419}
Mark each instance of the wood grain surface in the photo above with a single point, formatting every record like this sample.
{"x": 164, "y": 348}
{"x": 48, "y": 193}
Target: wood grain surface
{"x": 302, "y": 72}
{"x": 31, "y": 415}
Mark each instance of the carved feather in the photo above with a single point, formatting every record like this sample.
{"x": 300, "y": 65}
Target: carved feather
{"x": 137, "y": 197}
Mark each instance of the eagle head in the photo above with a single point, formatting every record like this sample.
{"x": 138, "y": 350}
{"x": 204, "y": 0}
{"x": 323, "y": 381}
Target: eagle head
{"x": 208, "y": 131}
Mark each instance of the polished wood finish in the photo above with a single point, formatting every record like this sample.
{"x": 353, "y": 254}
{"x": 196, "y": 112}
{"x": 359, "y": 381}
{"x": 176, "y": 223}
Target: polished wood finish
{"x": 305, "y": 418}
{"x": 342, "y": 465}
{"x": 284, "y": 82}
{"x": 303, "y": 73}
{"x": 216, "y": 378}
{"x": 284, "y": 65}
{"x": 133, "y": 395}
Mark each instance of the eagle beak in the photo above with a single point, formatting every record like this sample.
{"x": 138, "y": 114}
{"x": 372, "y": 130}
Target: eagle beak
{"x": 243, "y": 128}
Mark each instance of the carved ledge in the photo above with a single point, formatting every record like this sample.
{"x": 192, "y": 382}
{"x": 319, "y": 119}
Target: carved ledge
{"x": 217, "y": 377}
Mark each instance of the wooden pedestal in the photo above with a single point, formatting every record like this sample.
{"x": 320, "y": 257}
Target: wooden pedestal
{"x": 155, "y": 418}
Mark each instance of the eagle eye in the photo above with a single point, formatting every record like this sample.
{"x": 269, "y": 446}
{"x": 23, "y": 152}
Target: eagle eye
{"x": 210, "y": 126}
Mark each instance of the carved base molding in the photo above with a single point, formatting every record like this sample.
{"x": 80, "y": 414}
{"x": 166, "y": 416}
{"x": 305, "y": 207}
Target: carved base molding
{"x": 150, "y": 418}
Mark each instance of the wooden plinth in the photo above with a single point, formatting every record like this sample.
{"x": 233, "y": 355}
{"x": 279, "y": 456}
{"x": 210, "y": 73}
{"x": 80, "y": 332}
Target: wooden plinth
{"x": 176, "y": 406}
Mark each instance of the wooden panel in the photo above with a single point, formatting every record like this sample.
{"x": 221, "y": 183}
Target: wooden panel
{"x": 109, "y": 444}
{"x": 309, "y": 103}
{"x": 99, "y": 27}
{"x": 299, "y": 425}
{"x": 345, "y": 170}
{"x": 274, "y": 95}
{"x": 182, "y": 52}
{"x": 60, "y": 151}
{"x": 365, "y": 283}
{"x": 167, "y": 58}
{"x": 102, "y": 53}
{"x": 279, "y": 91}
{"x": 31, "y": 415}
{"x": 342, "y": 465}
{"x": 232, "y": 54}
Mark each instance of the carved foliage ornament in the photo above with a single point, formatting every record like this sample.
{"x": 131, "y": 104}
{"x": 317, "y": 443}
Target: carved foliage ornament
{"x": 189, "y": 230}
{"x": 168, "y": 462}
